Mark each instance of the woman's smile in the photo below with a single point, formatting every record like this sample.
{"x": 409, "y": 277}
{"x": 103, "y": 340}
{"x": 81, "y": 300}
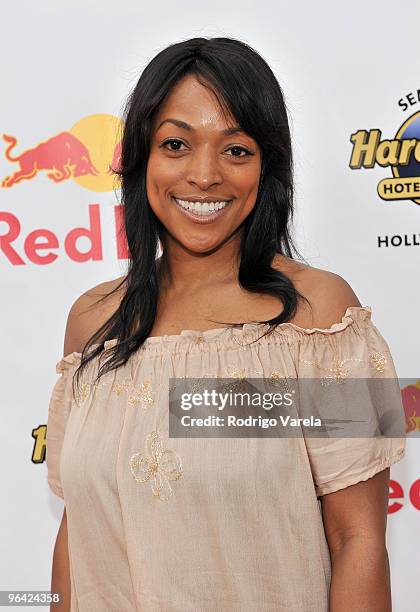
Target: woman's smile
{"x": 201, "y": 210}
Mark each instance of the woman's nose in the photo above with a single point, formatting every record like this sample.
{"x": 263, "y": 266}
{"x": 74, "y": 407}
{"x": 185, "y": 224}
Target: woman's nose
{"x": 203, "y": 170}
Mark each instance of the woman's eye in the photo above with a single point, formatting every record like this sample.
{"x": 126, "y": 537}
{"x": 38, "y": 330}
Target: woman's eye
{"x": 238, "y": 150}
{"x": 173, "y": 141}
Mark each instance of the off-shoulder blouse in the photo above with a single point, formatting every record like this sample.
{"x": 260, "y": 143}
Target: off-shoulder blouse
{"x": 165, "y": 524}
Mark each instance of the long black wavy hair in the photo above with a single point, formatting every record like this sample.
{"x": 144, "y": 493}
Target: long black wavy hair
{"x": 246, "y": 87}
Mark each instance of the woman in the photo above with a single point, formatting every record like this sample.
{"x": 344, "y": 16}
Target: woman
{"x": 153, "y": 522}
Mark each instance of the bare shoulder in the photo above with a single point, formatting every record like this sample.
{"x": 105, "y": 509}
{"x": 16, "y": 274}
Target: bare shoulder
{"x": 90, "y": 311}
{"x": 328, "y": 293}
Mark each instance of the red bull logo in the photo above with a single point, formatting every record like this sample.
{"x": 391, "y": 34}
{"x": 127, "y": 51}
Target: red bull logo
{"x": 40, "y": 246}
{"x": 63, "y": 155}
{"x": 87, "y": 153}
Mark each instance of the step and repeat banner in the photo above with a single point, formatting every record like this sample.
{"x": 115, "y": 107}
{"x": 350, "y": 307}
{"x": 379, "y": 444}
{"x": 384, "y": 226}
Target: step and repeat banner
{"x": 351, "y": 81}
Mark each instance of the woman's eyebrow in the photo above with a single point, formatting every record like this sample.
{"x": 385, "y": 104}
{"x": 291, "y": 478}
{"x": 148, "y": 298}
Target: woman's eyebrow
{"x": 187, "y": 126}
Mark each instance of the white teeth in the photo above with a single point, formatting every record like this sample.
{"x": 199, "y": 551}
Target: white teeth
{"x": 205, "y": 208}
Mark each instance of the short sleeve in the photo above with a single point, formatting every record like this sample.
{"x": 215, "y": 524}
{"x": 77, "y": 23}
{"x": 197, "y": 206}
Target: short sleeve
{"x": 353, "y": 364}
{"x": 58, "y": 412}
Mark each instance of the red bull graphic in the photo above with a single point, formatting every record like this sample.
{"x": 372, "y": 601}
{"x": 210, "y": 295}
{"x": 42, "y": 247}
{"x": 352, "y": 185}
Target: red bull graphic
{"x": 411, "y": 403}
{"x": 401, "y": 154}
{"x": 43, "y": 246}
{"x": 397, "y": 496}
{"x": 64, "y": 155}
{"x": 88, "y": 153}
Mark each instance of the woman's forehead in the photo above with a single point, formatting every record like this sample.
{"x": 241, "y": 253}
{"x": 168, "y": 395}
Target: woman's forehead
{"x": 195, "y": 105}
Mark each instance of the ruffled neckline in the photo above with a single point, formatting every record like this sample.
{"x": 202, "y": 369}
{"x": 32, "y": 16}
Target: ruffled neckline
{"x": 353, "y": 315}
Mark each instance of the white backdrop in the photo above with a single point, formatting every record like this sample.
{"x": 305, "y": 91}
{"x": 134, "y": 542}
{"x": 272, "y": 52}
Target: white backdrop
{"x": 68, "y": 68}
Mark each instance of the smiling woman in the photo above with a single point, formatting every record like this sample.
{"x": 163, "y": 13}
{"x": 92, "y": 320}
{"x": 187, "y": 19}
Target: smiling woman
{"x": 237, "y": 524}
{"x": 210, "y": 158}
{"x": 190, "y": 159}
{"x": 206, "y": 172}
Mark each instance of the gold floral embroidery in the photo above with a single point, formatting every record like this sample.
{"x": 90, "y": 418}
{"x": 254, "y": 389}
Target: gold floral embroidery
{"x": 143, "y": 395}
{"x": 240, "y": 374}
{"x": 120, "y": 386}
{"x": 83, "y": 392}
{"x": 192, "y": 385}
{"x": 379, "y": 361}
{"x": 236, "y": 372}
{"x": 157, "y": 466}
{"x": 337, "y": 372}
{"x": 232, "y": 370}
{"x": 86, "y": 387}
{"x": 278, "y": 379}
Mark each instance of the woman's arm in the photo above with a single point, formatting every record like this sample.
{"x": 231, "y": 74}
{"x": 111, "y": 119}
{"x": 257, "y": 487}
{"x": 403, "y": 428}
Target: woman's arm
{"x": 60, "y": 581}
{"x": 84, "y": 318}
{"x": 355, "y": 521}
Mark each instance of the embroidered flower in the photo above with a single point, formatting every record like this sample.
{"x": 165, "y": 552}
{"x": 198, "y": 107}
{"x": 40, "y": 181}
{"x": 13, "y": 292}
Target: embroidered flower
{"x": 120, "y": 386}
{"x": 337, "y": 372}
{"x": 378, "y": 361}
{"x": 278, "y": 379}
{"x": 240, "y": 383}
{"x": 237, "y": 372}
{"x": 143, "y": 395}
{"x": 82, "y": 392}
{"x": 157, "y": 466}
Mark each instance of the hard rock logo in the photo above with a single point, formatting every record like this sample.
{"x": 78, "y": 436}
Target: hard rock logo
{"x": 401, "y": 154}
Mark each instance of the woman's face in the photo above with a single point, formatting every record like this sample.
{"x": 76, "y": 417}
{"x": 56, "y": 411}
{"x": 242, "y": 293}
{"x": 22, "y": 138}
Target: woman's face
{"x": 199, "y": 161}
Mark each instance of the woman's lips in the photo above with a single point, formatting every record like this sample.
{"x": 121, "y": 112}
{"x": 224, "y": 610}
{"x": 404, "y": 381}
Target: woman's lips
{"x": 204, "y": 218}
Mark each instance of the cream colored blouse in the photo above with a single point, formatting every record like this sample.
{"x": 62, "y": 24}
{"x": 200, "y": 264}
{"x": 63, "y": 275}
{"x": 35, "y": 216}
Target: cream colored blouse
{"x": 157, "y": 523}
